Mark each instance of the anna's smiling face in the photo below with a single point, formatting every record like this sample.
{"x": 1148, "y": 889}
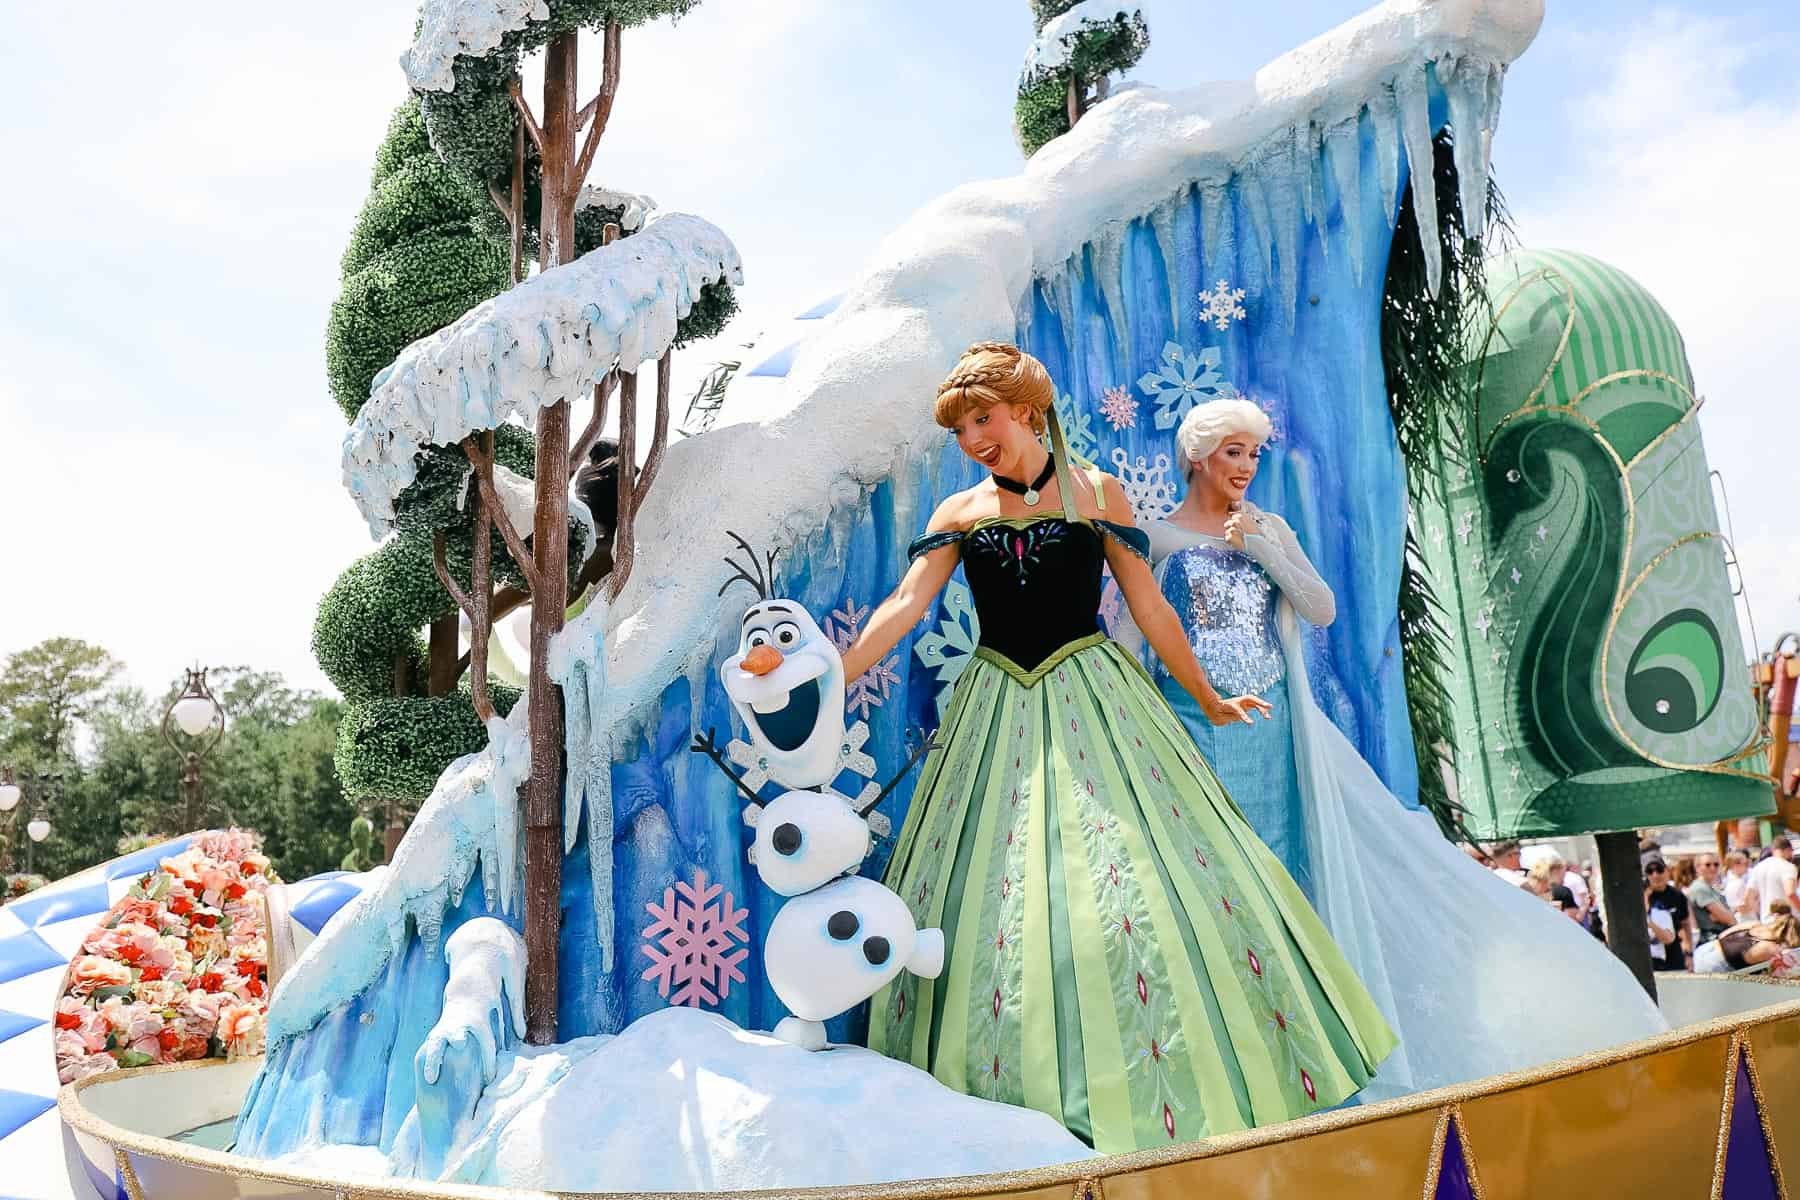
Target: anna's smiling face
{"x": 999, "y": 437}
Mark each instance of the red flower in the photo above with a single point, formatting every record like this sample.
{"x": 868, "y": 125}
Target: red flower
{"x": 181, "y": 906}
{"x": 168, "y": 1039}
{"x": 68, "y": 1020}
{"x": 149, "y": 973}
{"x": 234, "y": 891}
{"x": 212, "y": 981}
{"x": 255, "y": 988}
{"x": 248, "y": 966}
{"x": 248, "y": 868}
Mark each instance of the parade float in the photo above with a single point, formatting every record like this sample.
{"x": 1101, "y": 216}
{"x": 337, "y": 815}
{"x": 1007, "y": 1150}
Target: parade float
{"x": 558, "y": 983}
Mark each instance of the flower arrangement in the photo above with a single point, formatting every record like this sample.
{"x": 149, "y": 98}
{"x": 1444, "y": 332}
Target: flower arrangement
{"x": 178, "y": 970}
{"x": 21, "y": 885}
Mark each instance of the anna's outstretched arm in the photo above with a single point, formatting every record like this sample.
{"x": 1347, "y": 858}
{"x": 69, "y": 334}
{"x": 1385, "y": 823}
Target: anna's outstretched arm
{"x": 910, "y": 601}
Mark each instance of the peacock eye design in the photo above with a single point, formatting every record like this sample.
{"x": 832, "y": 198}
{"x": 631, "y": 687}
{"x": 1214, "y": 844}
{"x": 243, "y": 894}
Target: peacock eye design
{"x": 1677, "y": 672}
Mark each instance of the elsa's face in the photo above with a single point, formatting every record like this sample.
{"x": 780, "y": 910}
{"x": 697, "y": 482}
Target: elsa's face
{"x": 1230, "y": 469}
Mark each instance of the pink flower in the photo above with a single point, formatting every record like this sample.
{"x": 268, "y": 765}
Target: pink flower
{"x": 75, "y": 1065}
{"x": 83, "y": 1024}
{"x": 90, "y": 971}
{"x": 241, "y": 1029}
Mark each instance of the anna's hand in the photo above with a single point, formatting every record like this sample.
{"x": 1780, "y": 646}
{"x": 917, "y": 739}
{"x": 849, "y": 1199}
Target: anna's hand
{"x": 1239, "y": 708}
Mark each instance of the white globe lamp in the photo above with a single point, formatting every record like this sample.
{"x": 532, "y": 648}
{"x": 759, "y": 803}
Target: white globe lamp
{"x": 194, "y": 714}
{"x": 37, "y": 829}
{"x": 9, "y": 796}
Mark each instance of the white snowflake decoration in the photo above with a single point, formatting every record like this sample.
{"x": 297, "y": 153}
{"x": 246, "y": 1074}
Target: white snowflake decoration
{"x": 1222, "y": 305}
{"x": 872, "y": 688}
{"x": 1147, "y": 485}
{"x": 1185, "y": 380}
{"x": 947, "y": 650}
{"x": 693, "y": 942}
{"x": 1119, "y": 409}
{"x": 1077, "y": 428}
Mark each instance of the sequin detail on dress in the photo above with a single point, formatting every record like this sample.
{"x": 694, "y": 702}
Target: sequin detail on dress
{"x": 1227, "y": 604}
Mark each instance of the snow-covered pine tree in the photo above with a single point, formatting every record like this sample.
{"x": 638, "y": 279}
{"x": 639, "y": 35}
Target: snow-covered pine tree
{"x": 1080, "y": 46}
{"x": 533, "y": 165}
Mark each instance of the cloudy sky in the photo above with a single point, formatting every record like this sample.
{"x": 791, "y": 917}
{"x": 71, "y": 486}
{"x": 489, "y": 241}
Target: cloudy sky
{"x": 182, "y": 189}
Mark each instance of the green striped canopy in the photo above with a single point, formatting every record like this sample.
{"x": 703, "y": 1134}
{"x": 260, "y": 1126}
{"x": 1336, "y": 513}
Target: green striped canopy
{"x": 1597, "y": 677}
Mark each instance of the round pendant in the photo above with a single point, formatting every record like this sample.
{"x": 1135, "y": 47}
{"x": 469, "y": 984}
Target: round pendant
{"x": 1031, "y": 497}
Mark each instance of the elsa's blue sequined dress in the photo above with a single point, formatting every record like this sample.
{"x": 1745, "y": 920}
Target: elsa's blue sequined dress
{"x": 1458, "y": 961}
{"x": 1226, "y": 598}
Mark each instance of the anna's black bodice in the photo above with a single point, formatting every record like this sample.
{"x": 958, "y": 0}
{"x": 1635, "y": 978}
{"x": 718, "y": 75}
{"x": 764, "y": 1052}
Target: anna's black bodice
{"x": 1036, "y": 583}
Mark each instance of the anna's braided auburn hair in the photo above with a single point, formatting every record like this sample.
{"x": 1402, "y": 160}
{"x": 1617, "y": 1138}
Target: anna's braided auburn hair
{"x": 991, "y": 373}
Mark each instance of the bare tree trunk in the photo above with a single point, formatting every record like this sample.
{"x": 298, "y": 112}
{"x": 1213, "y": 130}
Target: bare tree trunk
{"x": 441, "y": 662}
{"x": 550, "y": 542}
{"x": 1076, "y": 102}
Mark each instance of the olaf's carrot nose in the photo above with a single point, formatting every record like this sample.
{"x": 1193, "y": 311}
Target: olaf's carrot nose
{"x": 762, "y": 659}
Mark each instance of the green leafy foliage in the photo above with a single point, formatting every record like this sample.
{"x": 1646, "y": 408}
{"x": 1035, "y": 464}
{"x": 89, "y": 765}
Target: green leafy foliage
{"x": 45, "y": 690}
{"x": 372, "y": 616}
{"x": 1041, "y": 112}
{"x": 713, "y": 309}
{"x": 362, "y": 853}
{"x": 1422, "y": 339}
{"x": 396, "y": 747}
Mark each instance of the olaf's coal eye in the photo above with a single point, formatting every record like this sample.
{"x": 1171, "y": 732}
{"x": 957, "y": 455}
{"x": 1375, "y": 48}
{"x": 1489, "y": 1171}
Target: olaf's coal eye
{"x": 876, "y": 950}
{"x": 755, "y": 638}
{"x": 843, "y": 925}
{"x": 787, "y": 634}
{"x": 786, "y": 839}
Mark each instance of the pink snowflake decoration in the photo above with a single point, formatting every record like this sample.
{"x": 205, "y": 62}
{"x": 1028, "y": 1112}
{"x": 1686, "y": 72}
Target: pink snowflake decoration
{"x": 874, "y": 685}
{"x": 692, "y": 943}
{"x": 1119, "y": 408}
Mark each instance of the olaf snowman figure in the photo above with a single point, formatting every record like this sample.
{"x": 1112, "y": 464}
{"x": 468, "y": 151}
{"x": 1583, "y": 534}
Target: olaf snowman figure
{"x": 840, "y": 938}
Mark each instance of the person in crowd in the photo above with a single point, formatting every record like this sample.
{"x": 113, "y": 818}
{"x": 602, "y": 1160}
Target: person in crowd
{"x": 1774, "y": 878}
{"x": 1670, "y": 919}
{"x": 1750, "y": 943}
{"x": 1712, "y": 913}
{"x": 1740, "y": 897}
{"x": 1569, "y": 875}
{"x": 1505, "y": 857}
{"x": 1748, "y": 838}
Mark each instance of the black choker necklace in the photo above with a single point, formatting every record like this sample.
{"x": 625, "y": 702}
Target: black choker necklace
{"x": 1030, "y": 492}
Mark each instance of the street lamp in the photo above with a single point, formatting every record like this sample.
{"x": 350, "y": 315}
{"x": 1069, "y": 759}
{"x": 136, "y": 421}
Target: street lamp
{"x": 198, "y": 715}
{"x": 40, "y": 792}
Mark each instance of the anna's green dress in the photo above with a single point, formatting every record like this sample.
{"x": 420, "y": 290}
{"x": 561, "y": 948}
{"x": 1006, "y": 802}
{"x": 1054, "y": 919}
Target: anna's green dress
{"x": 1123, "y": 953}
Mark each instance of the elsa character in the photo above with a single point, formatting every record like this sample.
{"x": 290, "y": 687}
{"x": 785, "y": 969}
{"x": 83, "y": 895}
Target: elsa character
{"x": 1121, "y": 951}
{"x": 1459, "y": 962}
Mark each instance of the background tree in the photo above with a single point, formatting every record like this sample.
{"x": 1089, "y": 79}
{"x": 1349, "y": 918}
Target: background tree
{"x": 45, "y": 691}
{"x": 1080, "y": 46}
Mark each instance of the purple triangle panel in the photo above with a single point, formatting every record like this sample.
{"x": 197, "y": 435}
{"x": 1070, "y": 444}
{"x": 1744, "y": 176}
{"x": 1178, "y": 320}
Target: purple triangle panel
{"x": 1749, "y": 1170}
{"x": 1453, "y": 1169}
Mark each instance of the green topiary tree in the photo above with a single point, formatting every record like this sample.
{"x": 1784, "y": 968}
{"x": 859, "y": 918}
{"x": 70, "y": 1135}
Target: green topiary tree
{"x": 1080, "y": 45}
{"x": 424, "y": 250}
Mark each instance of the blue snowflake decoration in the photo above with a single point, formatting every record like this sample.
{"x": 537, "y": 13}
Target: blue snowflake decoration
{"x": 1078, "y": 428}
{"x": 947, "y": 650}
{"x": 1185, "y": 380}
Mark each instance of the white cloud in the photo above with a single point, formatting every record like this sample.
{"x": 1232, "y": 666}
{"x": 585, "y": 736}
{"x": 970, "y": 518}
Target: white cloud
{"x": 1682, "y": 168}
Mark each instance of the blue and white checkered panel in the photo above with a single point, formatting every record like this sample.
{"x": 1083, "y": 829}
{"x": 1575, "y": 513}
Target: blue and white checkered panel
{"x": 39, "y": 934}
{"x": 788, "y": 340}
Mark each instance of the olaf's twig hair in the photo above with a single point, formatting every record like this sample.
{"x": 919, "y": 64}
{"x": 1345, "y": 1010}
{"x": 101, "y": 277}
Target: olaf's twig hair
{"x": 705, "y": 743}
{"x": 764, "y": 578}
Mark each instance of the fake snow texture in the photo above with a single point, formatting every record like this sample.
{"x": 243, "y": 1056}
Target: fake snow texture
{"x": 543, "y": 342}
{"x": 452, "y": 28}
{"x": 685, "y": 1101}
{"x": 637, "y": 209}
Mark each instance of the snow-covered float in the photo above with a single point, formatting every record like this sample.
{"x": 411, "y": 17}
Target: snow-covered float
{"x": 1233, "y": 237}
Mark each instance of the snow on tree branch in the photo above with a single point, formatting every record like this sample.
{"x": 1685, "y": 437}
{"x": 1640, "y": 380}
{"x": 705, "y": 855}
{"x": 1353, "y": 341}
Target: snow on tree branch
{"x": 634, "y": 209}
{"x": 450, "y": 28}
{"x": 1056, "y": 41}
{"x": 545, "y": 341}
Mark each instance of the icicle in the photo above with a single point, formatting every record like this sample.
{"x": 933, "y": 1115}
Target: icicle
{"x": 1415, "y": 129}
{"x": 1467, "y": 94}
{"x": 1109, "y": 271}
{"x": 1262, "y": 232}
{"x": 1384, "y": 116}
{"x": 1162, "y": 224}
{"x": 1219, "y": 244}
{"x": 1275, "y": 205}
{"x": 1313, "y": 161}
{"x": 1343, "y": 154}
{"x": 600, "y": 846}
{"x": 578, "y": 749}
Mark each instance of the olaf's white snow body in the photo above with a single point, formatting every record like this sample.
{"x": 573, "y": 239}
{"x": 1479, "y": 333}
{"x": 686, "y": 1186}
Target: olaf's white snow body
{"x": 786, "y": 682}
{"x": 806, "y": 839}
{"x": 833, "y": 948}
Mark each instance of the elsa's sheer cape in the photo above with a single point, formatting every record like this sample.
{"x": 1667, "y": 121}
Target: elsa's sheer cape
{"x": 1477, "y": 976}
